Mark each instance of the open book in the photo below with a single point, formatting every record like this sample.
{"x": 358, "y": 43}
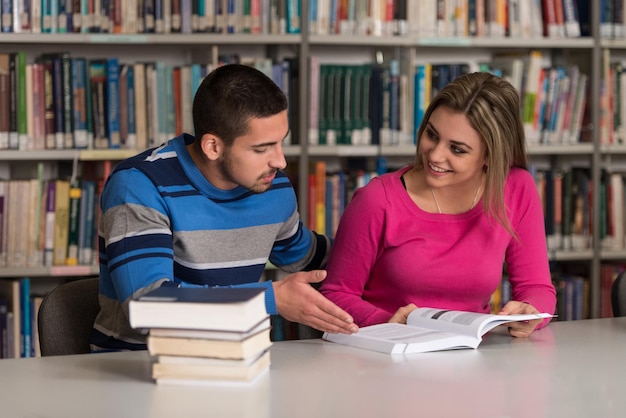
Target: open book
{"x": 429, "y": 329}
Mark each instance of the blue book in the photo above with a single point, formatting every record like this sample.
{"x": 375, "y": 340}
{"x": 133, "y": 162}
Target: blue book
{"x": 293, "y": 16}
{"x": 79, "y": 89}
{"x": 25, "y": 322}
{"x": 231, "y": 17}
{"x": 113, "y": 102}
{"x": 6, "y": 12}
{"x": 131, "y": 138}
{"x": 196, "y": 78}
{"x": 86, "y": 238}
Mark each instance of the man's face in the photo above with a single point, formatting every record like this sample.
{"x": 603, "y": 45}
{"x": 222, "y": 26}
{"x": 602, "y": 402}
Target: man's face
{"x": 254, "y": 158}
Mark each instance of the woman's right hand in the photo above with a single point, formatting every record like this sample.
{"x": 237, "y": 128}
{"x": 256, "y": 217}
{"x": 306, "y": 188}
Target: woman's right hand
{"x": 402, "y": 313}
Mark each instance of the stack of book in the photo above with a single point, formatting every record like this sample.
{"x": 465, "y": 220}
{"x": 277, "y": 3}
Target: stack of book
{"x": 204, "y": 335}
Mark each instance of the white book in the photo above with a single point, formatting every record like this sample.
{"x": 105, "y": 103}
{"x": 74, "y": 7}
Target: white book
{"x": 429, "y": 329}
{"x": 617, "y": 201}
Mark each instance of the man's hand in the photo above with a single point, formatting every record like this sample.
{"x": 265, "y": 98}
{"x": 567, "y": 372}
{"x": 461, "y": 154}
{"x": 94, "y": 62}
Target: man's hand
{"x": 524, "y": 328}
{"x": 298, "y": 301}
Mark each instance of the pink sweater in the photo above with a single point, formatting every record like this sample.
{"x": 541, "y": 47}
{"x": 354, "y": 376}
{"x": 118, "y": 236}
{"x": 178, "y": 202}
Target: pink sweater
{"x": 389, "y": 253}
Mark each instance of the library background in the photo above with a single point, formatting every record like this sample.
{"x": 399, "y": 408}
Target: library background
{"x": 86, "y": 83}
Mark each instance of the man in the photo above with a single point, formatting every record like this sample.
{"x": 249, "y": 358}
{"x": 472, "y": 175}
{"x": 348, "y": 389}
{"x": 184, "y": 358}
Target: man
{"x": 211, "y": 210}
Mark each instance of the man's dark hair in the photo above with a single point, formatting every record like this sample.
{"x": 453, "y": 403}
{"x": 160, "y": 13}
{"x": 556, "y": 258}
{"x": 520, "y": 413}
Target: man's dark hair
{"x": 230, "y": 96}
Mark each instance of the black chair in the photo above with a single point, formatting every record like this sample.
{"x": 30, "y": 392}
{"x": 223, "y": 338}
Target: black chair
{"x": 66, "y": 317}
{"x": 618, "y": 295}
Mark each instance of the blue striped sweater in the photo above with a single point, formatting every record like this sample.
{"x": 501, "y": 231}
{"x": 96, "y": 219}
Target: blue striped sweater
{"x": 163, "y": 223}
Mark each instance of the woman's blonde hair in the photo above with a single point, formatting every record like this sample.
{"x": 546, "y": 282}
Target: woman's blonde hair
{"x": 492, "y": 107}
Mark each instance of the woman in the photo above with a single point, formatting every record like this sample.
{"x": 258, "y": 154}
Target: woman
{"x": 436, "y": 233}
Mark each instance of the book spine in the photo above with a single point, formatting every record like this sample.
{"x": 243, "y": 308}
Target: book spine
{"x": 79, "y": 80}
{"x": 12, "y": 108}
{"x": 113, "y": 102}
{"x": 25, "y": 323}
{"x": 22, "y": 99}
{"x": 87, "y": 231}
{"x": 75, "y": 193}
{"x": 61, "y": 222}
{"x": 5, "y": 101}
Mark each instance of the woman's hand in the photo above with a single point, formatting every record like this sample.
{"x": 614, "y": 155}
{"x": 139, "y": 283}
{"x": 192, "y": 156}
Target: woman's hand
{"x": 520, "y": 329}
{"x": 402, "y": 313}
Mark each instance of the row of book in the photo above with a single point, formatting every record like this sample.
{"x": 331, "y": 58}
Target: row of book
{"x": 204, "y": 335}
{"x": 18, "y": 319}
{"x": 427, "y": 18}
{"x": 554, "y": 97}
{"x": 363, "y": 104}
{"x": 572, "y": 296}
{"x": 612, "y": 19}
{"x": 451, "y": 18}
{"x": 566, "y": 198}
{"x": 612, "y": 102}
{"x": 60, "y": 101}
{"x": 49, "y": 222}
{"x": 151, "y": 16}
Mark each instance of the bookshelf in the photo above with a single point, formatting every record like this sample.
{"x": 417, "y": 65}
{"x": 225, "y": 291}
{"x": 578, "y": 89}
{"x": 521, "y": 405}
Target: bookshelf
{"x": 187, "y": 48}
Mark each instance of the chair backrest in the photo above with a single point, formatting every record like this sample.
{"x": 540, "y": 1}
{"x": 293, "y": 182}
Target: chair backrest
{"x": 66, "y": 317}
{"x": 618, "y": 295}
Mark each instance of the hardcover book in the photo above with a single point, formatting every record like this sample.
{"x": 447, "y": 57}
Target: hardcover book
{"x": 429, "y": 329}
{"x": 187, "y": 370}
{"x": 221, "y": 309}
{"x": 212, "y": 348}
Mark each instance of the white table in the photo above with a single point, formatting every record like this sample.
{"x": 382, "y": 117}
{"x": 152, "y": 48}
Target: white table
{"x": 570, "y": 369}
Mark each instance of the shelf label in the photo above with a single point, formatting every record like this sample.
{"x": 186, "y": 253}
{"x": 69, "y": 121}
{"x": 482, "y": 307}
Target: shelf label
{"x": 119, "y": 39}
{"x": 444, "y": 41}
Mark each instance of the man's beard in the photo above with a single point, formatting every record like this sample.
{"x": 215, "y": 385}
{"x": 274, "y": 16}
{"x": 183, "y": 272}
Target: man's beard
{"x": 226, "y": 173}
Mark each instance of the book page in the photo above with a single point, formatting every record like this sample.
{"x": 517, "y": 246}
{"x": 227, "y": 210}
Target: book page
{"x": 394, "y": 338}
{"x": 466, "y": 323}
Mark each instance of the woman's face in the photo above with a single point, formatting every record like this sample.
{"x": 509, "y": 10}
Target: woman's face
{"x": 452, "y": 152}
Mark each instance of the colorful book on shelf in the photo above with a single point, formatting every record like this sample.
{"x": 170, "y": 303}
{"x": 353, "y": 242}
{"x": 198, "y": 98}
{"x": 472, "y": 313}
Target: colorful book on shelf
{"x": 61, "y": 222}
{"x": 12, "y": 108}
{"x": 25, "y": 318}
{"x": 34, "y": 253}
{"x": 10, "y": 290}
{"x": 4, "y": 202}
{"x": 5, "y": 101}
{"x": 97, "y": 87}
{"x": 75, "y": 196}
{"x": 50, "y": 210}
{"x": 429, "y": 329}
{"x": 4, "y": 337}
{"x": 22, "y": 99}
{"x": 54, "y": 66}
{"x": 220, "y": 309}
{"x": 113, "y": 102}
{"x": 141, "y": 121}
{"x": 79, "y": 89}
{"x": 87, "y": 229}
